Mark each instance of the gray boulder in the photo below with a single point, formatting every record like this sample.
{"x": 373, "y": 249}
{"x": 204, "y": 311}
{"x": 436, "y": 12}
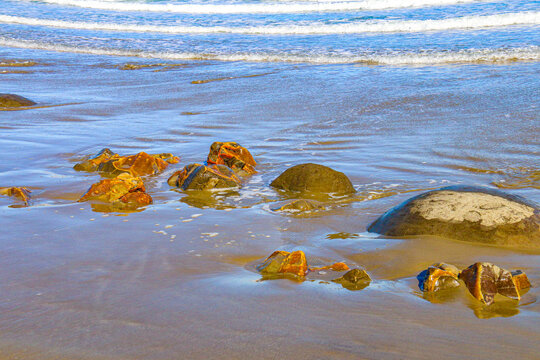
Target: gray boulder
{"x": 465, "y": 213}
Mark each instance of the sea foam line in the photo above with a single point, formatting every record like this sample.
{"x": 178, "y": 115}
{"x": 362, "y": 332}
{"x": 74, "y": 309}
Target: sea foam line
{"x": 265, "y": 8}
{"x": 467, "y": 22}
{"x": 421, "y": 58}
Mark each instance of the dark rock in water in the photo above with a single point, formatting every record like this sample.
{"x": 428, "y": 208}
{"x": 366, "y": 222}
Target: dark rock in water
{"x": 484, "y": 280}
{"x": 465, "y": 213}
{"x": 355, "y": 279}
{"x": 300, "y": 205}
{"x": 201, "y": 177}
{"x": 438, "y": 277}
{"x": 313, "y": 178}
{"x": 14, "y": 101}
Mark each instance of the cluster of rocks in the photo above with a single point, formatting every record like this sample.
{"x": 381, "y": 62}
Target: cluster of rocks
{"x": 294, "y": 264}
{"x": 483, "y": 280}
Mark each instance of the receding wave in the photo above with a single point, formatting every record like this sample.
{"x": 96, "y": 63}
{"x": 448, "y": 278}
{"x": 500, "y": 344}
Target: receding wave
{"x": 468, "y": 22}
{"x": 266, "y": 8}
{"x": 420, "y": 58}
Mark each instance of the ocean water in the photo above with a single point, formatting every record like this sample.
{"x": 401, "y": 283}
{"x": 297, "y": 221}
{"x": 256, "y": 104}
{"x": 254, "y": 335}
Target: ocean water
{"x": 401, "y": 96}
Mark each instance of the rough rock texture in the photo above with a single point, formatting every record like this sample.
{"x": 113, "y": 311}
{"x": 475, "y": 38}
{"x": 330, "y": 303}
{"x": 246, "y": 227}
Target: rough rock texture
{"x": 437, "y": 277}
{"x": 339, "y": 266}
{"x": 300, "y": 205}
{"x": 465, "y": 213}
{"x": 232, "y": 155}
{"x": 20, "y": 193}
{"x": 484, "y": 280}
{"x": 355, "y": 279}
{"x": 124, "y": 190}
{"x": 521, "y": 280}
{"x": 313, "y": 178}
{"x": 201, "y": 177}
{"x": 283, "y": 263}
{"x": 14, "y": 101}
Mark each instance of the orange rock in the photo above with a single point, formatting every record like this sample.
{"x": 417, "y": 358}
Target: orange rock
{"x": 438, "y": 277}
{"x": 520, "y": 279}
{"x": 140, "y": 164}
{"x": 93, "y": 164}
{"x": 484, "y": 280}
{"x": 339, "y": 266}
{"x": 201, "y": 177}
{"x": 355, "y": 279}
{"x": 232, "y": 155}
{"x": 20, "y": 193}
{"x": 283, "y": 262}
{"x": 124, "y": 190}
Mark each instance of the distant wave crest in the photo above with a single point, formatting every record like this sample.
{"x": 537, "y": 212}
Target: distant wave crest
{"x": 468, "y": 22}
{"x": 419, "y": 58}
{"x": 264, "y": 8}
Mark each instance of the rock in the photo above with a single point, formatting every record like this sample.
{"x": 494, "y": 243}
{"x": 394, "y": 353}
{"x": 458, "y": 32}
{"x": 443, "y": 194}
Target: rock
{"x": 139, "y": 164}
{"x": 313, "y": 178}
{"x": 285, "y": 263}
{"x": 521, "y": 280}
{"x": 201, "y": 177}
{"x": 339, "y": 266}
{"x": 437, "y": 277}
{"x": 14, "y": 101}
{"x": 484, "y": 280}
{"x": 465, "y": 213}
{"x": 124, "y": 190}
{"x": 355, "y": 279}
{"x": 232, "y": 155}
{"x": 300, "y": 205}
{"x": 20, "y": 193}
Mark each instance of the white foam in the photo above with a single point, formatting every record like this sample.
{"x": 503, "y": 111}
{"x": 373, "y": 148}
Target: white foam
{"x": 264, "y": 8}
{"x": 467, "y": 22}
{"x": 531, "y": 53}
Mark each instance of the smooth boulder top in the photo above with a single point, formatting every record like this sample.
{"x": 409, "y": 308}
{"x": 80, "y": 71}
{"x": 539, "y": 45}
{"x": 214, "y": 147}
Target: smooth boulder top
{"x": 13, "y": 101}
{"x": 313, "y": 178}
{"x": 465, "y": 213}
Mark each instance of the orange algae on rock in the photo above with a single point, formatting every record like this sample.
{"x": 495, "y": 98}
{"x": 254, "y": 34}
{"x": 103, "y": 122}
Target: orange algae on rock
{"x": 201, "y": 177}
{"x": 123, "y": 189}
{"x": 521, "y": 280}
{"x": 339, "y": 266}
{"x": 485, "y": 280}
{"x": 20, "y": 193}
{"x": 283, "y": 262}
{"x": 232, "y": 155}
{"x": 438, "y": 277}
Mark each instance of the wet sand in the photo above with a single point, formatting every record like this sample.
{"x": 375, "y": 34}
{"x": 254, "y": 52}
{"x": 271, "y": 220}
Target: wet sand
{"x": 177, "y": 279}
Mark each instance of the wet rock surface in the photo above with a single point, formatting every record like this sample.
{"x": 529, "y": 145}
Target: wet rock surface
{"x": 21, "y": 193}
{"x": 124, "y": 191}
{"x": 465, "y": 213}
{"x": 313, "y": 178}
{"x": 300, "y": 205}
{"x": 355, "y": 279}
{"x": 201, "y": 177}
{"x": 14, "y": 101}
{"x": 437, "y": 277}
{"x": 232, "y": 155}
{"x": 285, "y": 263}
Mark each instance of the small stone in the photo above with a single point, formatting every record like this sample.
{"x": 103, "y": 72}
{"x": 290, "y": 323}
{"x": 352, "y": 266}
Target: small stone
{"x": 232, "y": 155}
{"x": 300, "y": 206}
{"x": 20, "y": 193}
{"x": 14, "y": 101}
{"x": 313, "y": 178}
{"x": 283, "y": 262}
{"x": 355, "y": 279}
{"x": 124, "y": 190}
{"x": 484, "y": 280}
{"x": 437, "y": 277}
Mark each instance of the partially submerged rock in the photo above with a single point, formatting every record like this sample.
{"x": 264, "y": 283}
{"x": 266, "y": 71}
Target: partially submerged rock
{"x": 465, "y": 213}
{"x": 14, "y": 101}
{"x": 201, "y": 177}
{"x": 355, "y": 279}
{"x": 20, "y": 193}
{"x": 437, "y": 277}
{"x": 521, "y": 280}
{"x": 339, "y": 266}
{"x": 125, "y": 191}
{"x": 300, "y": 205}
{"x": 232, "y": 155}
{"x": 484, "y": 280}
{"x": 313, "y": 178}
{"x": 139, "y": 164}
{"x": 285, "y": 263}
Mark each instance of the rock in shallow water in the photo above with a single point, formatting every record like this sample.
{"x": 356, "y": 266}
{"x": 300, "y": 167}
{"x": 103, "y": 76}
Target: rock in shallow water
{"x": 355, "y": 279}
{"x": 313, "y": 178}
{"x": 124, "y": 191}
{"x": 283, "y": 262}
{"x": 201, "y": 177}
{"x": 232, "y": 155}
{"x": 437, "y": 277}
{"x": 14, "y": 101}
{"x": 465, "y": 213}
{"x": 484, "y": 280}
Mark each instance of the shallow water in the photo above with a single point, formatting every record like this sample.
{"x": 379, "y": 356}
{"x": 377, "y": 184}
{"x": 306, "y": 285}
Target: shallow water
{"x": 177, "y": 279}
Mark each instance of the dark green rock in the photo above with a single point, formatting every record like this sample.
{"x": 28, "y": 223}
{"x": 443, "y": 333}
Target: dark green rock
{"x": 355, "y": 279}
{"x": 14, "y": 101}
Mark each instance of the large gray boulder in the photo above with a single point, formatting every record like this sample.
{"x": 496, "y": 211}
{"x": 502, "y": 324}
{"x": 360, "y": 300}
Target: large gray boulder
{"x": 14, "y": 101}
{"x": 465, "y": 213}
{"x": 313, "y": 178}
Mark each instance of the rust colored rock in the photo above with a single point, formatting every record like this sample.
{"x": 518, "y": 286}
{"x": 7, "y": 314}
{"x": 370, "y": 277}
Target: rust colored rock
{"x": 201, "y": 177}
{"x": 355, "y": 279}
{"x": 20, "y": 193}
{"x": 300, "y": 205}
{"x": 124, "y": 190}
{"x": 521, "y": 280}
{"x": 93, "y": 163}
{"x": 437, "y": 277}
{"x": 14, "y": 101}
{"x": 232, "y": 155}
{"x": 313, "y": 178}
{"x": 339, "y": 266}
{"x": 485, "y": 280}
{"x": 283, "y": 262}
